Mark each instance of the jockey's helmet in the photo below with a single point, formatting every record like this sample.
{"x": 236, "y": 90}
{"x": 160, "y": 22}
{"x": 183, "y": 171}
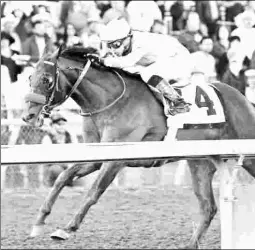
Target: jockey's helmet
{"x": 116, "y": 29}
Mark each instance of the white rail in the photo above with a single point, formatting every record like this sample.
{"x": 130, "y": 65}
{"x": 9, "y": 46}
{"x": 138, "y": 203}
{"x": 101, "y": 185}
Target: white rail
{"x": 235, "y": 234}
{"x": 97, "y": 152}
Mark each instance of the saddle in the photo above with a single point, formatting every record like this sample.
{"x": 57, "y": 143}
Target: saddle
{"x": 204, "y": 104}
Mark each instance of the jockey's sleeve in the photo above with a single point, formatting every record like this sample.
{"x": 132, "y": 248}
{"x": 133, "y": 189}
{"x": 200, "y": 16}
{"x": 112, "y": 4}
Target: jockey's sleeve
{"x": 128, "y": 60}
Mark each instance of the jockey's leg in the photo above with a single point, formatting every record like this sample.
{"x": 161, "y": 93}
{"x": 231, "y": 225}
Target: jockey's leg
{"x": 158, "y": 74}
{"x": 179, "y": 105}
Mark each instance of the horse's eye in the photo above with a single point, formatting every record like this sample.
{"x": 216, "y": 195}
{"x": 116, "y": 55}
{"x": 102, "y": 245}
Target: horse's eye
{"x": 45, "y": 80}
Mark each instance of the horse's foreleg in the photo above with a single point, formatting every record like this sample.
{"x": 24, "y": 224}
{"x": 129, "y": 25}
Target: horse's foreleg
{"x": 59, "y": 184}
{"x": 202, "y": 172}
{"x": 104, "y": 179}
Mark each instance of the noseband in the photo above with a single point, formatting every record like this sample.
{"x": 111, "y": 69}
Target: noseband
{"x": 47, "y": 101}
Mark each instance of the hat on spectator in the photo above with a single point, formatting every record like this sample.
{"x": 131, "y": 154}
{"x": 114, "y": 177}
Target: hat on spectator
{"x": 41, "y": 3}
{"x": 9, "y": 19}
{"x": 56, "y": 117}
{"x": 42, "y": 18}
{"x": 247, "y": 16}
{"x": 5, "y": 35}
{"x": 25, "y": 6}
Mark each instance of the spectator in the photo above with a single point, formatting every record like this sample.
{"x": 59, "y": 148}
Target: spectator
{"x": 77, "y": 13}
{"x": 94, "y": 26}
{"x": 250, "y": 5}
{"x": 8, "y": 25}
{"x": 90, "y": 35}
{"x": 141, "y": 14}
{"x": 223, "y": 62}
{"x": 42, "y": 9}
{"x": 203, "y": 60}
{"x": 158, "y": 27}
{"x": 7, "y": 7}
{"x": 234, "y": 74}
{"x": 8, "y": 56}
{"x": 192, "y": 35}
{"x": 162, "y": 7}
{"x": 51, "y": 31}
{"x": 221, "y": 42}
{"x": 34, "y": 46}
{"x": 245, "y": 22}
{"x": 208, "y": 12}
{"x": 70, "y": 36}
{"x": 22, "y": 28}
{"x": 5, "y": 86}
{"x": 233, "y": 8}
{"x": 177, "y": 10}
{"x": 57, "y": 133}
{"x": 103, "y": 6}
{"x": 117, "y": 10}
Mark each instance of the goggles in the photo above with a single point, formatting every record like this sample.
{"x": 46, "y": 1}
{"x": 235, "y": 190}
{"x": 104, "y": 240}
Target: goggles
{"x": 117, "y": 43}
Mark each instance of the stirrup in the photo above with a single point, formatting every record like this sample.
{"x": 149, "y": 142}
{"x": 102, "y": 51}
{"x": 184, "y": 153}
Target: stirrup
{"x": 178, "y": 107}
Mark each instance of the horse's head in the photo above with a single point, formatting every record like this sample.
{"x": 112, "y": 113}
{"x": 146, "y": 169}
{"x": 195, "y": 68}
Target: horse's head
{"x": 46, "y": 90}
{"x": 43, "y": 85}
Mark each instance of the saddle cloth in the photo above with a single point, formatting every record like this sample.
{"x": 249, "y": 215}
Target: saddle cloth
{"x": 206, "y": 107}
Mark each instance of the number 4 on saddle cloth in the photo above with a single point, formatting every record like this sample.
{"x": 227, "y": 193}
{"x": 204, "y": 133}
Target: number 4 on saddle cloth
{"x": 206, "y": 107}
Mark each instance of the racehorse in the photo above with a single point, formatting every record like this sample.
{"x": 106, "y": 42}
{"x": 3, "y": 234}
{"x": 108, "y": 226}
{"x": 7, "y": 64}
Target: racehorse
{"x": 118, "y": 107}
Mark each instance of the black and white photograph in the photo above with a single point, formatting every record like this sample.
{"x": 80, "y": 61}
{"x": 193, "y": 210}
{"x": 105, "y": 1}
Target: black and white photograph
{"x": 128, "y": 124}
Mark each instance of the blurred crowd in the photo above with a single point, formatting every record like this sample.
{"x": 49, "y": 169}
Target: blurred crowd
{"x": 219, "y": 34}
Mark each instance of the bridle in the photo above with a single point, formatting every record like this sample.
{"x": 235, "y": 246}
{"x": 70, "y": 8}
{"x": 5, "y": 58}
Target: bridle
{"x": 47, "y": 101}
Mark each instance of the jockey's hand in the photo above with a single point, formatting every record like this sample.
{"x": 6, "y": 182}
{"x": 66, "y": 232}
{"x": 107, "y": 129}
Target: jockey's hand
{"x": 108, "y": 61}
{"x": 94, "y": 58}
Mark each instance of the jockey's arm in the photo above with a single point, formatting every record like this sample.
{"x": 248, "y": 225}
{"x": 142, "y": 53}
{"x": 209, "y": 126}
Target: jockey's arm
{"x": 125, "y": 61}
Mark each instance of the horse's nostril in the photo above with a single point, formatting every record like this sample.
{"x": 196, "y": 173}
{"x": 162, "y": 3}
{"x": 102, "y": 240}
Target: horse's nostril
{"x": 28, "y": 117}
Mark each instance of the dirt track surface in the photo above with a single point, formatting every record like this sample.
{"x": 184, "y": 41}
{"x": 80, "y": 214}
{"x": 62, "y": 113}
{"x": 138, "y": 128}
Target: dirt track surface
{"x": 146, "y": 218}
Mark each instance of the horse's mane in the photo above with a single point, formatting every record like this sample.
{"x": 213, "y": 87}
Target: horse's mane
{"x": 78, "y": 53}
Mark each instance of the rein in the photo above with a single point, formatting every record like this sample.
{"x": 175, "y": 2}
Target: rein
{"x": 111, "y": 104}
{"x": 41, "y": 99}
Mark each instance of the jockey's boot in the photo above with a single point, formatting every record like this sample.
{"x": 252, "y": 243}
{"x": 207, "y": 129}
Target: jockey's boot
{"x": 176, "y": 102}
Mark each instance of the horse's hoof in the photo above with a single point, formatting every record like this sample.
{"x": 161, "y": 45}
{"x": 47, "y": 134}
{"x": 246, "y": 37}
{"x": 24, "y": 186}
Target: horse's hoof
{"x": 36, "y": 231}
{"x": 60, "y": 235}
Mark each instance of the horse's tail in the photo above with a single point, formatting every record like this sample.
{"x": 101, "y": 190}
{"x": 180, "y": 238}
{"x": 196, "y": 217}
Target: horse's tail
{"x": 239, "y": 112}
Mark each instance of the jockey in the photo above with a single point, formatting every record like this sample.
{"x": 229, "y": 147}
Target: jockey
{"x": 159, "y": 59}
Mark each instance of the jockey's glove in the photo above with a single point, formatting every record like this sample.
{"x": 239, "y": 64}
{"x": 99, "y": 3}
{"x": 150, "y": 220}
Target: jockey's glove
{"x": 94, "y": 58}
{"x": 107, "y": 61}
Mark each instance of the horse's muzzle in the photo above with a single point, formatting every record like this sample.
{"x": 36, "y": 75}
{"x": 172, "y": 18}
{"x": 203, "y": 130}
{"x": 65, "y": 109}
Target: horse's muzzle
{"x": 32, "y": 120}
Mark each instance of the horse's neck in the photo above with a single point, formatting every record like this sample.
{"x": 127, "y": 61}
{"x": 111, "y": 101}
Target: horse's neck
{"x": 98, "y": 90}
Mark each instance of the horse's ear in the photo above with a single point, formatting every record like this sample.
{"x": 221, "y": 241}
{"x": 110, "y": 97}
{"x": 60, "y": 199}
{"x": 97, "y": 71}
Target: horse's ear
{"x": 49, "y": 48}
{"x": 61, "y": 48}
